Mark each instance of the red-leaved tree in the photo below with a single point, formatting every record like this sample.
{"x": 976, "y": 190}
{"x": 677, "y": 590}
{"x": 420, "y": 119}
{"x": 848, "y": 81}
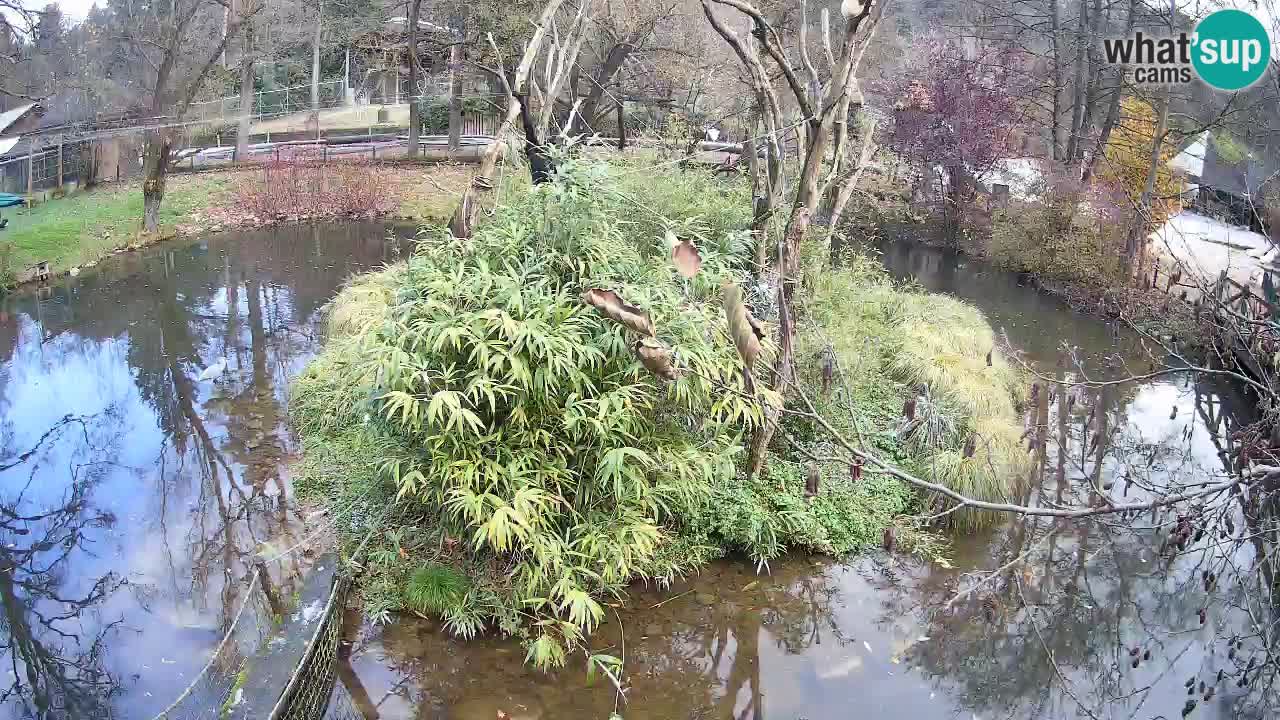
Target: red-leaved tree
{"x": 959, "y": 119}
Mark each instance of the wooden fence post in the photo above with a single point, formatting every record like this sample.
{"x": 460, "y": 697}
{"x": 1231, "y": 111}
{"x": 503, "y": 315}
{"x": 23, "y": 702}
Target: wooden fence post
{"x": 31, "y": 175}
{"x": 60, "y": 162}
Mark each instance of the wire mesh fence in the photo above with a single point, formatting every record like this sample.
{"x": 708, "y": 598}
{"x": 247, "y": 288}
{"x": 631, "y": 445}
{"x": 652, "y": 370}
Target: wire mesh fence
{"x": 213, "y": 691}
{"x": 271, "y": 103}
{"x": 332, "y": 95}
{"x": 46, "y": 169}
{"x": 116, "y": 154}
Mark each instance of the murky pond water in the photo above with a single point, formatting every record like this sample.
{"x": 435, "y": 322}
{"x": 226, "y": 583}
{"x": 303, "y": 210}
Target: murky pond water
{"x": 137, "y": 500}
{"x": 1091, "y": 620}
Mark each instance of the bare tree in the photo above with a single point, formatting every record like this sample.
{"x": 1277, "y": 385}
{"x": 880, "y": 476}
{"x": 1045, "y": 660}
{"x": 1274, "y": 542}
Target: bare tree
{"x": 823, "y": 104}
{"x": 415, "y": 103}
{"x": 482, "y": 185}
{"x": 172, "y": 44}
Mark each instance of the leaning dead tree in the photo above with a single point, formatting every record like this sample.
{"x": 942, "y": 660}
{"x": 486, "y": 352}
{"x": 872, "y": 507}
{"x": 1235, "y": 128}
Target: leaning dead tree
{"x": 824, "y": 101}
{"x": 516, "y": 85}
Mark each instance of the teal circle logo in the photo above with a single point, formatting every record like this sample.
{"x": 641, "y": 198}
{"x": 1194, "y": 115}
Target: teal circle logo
{"x": 1232, "y": 50}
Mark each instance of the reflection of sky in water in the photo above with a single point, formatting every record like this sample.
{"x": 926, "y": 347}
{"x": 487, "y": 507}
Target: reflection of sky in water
{"x": 182, "y": 476}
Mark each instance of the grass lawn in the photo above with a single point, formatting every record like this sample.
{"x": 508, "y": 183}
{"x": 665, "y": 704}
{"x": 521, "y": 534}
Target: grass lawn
{"x": 432, "y": 192}
{"x": 86, "y": 225}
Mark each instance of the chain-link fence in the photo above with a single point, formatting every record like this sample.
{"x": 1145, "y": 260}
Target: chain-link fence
{"x": 47, "y": 168}
{"x": 335, "y": 94}
{"x": 271, "y": 103}
{"x": 275, "y": 662}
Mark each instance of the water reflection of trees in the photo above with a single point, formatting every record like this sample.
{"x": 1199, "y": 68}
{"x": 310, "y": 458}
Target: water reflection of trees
{"x": 239, "y": 500}
{"x": 697, "y": 659}
{"x": 57, "y": 669}
{"x": 213, "y": 494}
{"x": 1098, "y": 618}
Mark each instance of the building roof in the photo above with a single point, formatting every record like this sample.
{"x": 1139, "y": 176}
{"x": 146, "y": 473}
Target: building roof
{"x": 10, "y": 117}
{"x": 1191, "y": 160}
{"x": 1260, "y": 164}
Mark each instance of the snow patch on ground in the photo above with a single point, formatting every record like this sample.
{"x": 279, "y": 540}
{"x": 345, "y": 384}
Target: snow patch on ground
{"x": 1023, "y": 176}
{"x": 1207, "y": 246}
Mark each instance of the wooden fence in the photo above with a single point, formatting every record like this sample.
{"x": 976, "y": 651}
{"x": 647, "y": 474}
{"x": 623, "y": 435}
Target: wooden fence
{"x": 1246, "y": 323}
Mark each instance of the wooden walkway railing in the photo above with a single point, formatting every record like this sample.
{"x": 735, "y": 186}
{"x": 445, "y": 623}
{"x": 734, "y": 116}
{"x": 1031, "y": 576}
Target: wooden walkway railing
{"x": 1246, "y": 323}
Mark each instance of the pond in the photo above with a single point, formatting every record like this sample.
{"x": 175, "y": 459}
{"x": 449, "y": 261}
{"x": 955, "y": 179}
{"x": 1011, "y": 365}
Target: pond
{"x": 1093, "y": 619}
{"x": 137, "y": 501}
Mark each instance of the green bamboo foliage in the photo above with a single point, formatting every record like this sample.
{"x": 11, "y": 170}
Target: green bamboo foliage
{"x": 521, "y": 415}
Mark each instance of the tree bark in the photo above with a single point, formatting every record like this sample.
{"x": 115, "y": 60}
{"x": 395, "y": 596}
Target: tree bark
{"x": 315, "y": 69}
{"x": 415, "y": 102}
{"x": 1095, "y": 76}
{"x": 561, "y": 61}
{"x": 844, "y": 189}
{"x": 456, "y": 60}
{"x": 613, "y": 61}
{"x": 1055, "y": 126}
{"x": 622, "y": 123}
{"x": 246, "y": 97}
{"x": 1113, "y": 107}
{"x": 1137, "y": 237}
{"x": 1078, "y": 85}
{"x": 770, "y": 113}
{"x": 817, "y": 138}
{"x": 155, "y": 166}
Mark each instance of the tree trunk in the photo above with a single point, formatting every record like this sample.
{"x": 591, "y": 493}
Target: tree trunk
{"x": 749, "y": 152}
{"x": 482, "y": 188}
{"x": 590, "y": 112}
{"x": 954, "y": 202}
{"x": 456, "y": 61}
{"x": 246, "y": 98}
{"x": 1055, "y": 126}
{"x": 315, "y": 70}
{"x": 622, "y": 123}
{"x": 1078, "y": 85}
{"x": 1113, "y": 109}
{"x": 818, "y": 135}
{"x": 155, "y": 168}
{"x": 827, "y": 189}
{"x": 844, "y": 190}
{"x": 1137, "y": 238}
{"x": 415, "y": 123}
{"x": 1092, "y": 90}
